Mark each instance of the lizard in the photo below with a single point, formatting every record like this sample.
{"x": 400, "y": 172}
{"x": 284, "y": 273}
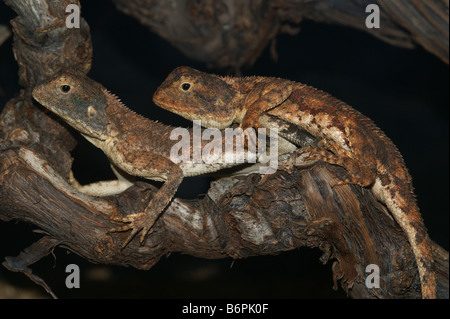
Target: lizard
{"x": 135, "y": 146}
{"x": 346, "y": 138}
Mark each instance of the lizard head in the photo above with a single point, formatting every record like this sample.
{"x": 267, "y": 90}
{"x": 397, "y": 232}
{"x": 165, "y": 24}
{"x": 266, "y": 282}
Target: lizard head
{"x": 196, "y": 95}
{"x": 78, "y": 100}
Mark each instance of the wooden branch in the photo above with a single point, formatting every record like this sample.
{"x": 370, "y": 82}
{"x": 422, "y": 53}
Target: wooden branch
{"x": 4, "y": 33}
{"x": 233, "y": 34}
{"x": 240, "y": 216}
{"x": 42, "y": 25}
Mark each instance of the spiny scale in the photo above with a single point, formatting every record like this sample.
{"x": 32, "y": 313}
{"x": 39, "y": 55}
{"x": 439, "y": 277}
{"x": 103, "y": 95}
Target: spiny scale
{"x": 116, "y": 98}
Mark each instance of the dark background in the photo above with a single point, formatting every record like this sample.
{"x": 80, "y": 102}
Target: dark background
{"x": 404, "y": 91}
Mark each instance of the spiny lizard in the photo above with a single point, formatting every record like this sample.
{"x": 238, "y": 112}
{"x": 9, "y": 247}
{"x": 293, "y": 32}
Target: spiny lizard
{"x": 347, "y": 138}
{"x": 134, "y": 144}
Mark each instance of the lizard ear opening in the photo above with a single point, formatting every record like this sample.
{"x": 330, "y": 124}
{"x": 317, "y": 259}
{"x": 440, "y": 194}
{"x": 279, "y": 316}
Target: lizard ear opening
{"x": 65, "y": 88}
{"x": 186, "y": 86}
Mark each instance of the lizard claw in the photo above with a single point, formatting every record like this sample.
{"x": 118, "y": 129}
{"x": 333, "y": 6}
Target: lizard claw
{"x": 252, "y": 139}
{"x": 249, "y": 122}
{"x": 252, "y": 142}
{"x": 140, "y": 222}
{"x": 343, "y": 182}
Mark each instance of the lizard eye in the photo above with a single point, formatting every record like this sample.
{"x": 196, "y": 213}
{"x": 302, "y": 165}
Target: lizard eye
{"x": 65, "y": 88}
{"x": 185, "y": 86}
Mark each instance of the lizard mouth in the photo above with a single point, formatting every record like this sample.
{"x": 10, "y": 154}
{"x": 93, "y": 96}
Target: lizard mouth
{"x": 170, "y": 105}
{"x": 205, "y": 122}
{"x": 78, "y": 125}
{"x": 167, "y": 103}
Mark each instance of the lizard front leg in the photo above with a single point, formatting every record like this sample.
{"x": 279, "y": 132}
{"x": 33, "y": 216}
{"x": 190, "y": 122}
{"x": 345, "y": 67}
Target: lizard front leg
{"x": 154, "y": 167}
{"x": 266, "y": 94}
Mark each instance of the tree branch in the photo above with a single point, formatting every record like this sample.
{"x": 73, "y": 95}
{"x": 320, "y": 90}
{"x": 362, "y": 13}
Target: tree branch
{"x": 233, "y": 34}
{"x": 239, "y": 217}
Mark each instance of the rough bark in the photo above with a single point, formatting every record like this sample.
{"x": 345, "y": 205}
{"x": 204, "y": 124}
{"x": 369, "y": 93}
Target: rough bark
{"x": 240, "y": 216}
{"x": 233, "y": 33}
{"x": 4, "y": 33}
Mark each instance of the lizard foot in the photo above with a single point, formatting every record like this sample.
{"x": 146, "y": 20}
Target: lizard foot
{"x": 304, "y": 157}
{"x": 139, "y": 222}
{"x": 363, "y": 180}
{"x": 251, "y": 138}
{"x": 345, "y": 182}
{"x": 307, "y": 156}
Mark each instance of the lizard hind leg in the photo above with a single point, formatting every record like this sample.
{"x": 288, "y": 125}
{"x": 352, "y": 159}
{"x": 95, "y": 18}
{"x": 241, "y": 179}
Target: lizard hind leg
{"x": 304, "y": 157}
{"x": 359, "y": 174}
{"x": 103, "y": 188}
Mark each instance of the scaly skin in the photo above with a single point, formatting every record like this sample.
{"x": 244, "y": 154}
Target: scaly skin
{"x": 134, "y": 144}
{"x": 348, "y": 138}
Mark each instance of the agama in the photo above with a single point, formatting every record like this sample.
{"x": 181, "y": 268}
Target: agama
{"x": 134, "y": 144}
{"x": 347, "y": 138}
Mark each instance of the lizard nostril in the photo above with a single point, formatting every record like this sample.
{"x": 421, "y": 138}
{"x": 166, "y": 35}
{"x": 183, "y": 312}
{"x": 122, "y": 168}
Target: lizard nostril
{"x": 91, "y": 111}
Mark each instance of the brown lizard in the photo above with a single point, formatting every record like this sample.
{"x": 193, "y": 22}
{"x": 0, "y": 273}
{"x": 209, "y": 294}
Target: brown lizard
{"x": 347, "y": 138}
{"x": 134, "y": 144}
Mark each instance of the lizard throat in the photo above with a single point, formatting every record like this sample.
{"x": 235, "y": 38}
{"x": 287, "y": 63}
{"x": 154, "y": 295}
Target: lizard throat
{"x": 80, "y": 126}
{"x": 94, "y": 140}
{"x": 205, "y": 122}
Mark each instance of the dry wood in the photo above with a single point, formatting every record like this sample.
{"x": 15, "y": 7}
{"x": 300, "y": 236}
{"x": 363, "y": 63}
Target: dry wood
{"x": 4, "y": 33}
{"x": 233, "y": 33}
{"x": 240, "y": 216}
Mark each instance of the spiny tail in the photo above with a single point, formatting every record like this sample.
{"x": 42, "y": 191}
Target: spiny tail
{"x": 407, "y": 215}
{"x": 393, "y": 186}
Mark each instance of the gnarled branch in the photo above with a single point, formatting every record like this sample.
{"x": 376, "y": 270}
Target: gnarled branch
{"x": 240, "y": 216}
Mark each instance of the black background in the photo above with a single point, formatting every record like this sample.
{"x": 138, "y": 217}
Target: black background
{"x": 404, "y": 91}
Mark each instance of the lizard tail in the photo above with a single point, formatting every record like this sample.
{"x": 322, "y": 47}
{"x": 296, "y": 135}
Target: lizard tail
{"x": 406, "y": 213}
